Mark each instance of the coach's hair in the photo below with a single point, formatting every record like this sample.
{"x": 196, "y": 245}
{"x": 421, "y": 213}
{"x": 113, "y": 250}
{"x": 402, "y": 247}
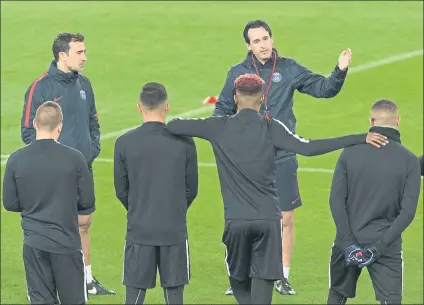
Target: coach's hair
{"x": 153, "y": 95}
{"x": 254, "y": 25}
{"x": 61, "y": 43}
{"x": 48, "y": 116}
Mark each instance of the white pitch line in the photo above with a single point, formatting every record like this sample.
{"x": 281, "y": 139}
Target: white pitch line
{"x": 204, "y": 109}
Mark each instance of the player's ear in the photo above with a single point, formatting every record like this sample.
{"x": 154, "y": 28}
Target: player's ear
{"x": 34, "y": 124}
{"x": 372, "y": 121}
{"x": 398, "y": 120}
{"x": 139, "y": 107}
{"x": 235, "y": 99}
{"x": 166, "y": 107}
{"x": 59, "y": 128}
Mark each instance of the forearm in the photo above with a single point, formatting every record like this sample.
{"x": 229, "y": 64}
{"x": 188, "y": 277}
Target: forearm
{"x": 12, "y": 206}
{"x": 341, "y": 220}
{"x": 124, "y": 200}
{"x": 323, "y": 87}
{"x": 122, "y": 191}
{"x": 408, "y": 210}
{"x": 323, "y": 146}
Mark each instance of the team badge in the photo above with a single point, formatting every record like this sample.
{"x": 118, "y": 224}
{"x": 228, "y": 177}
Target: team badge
{"x": 276, "y": 77}
{"x": 82, "y": 94}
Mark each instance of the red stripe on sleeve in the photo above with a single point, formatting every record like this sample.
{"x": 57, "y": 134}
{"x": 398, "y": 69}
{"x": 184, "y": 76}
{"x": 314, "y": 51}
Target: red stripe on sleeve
{"x": 31, "y": 92}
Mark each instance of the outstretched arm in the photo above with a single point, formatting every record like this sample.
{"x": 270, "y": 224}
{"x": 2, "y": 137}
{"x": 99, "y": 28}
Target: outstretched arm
{"x": 284, "y": 139}
{"x": 207, "y": 128}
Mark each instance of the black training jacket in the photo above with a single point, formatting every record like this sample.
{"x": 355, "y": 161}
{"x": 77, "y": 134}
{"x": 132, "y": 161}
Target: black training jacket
{"x": 73, "y": 92}
{"x": 48, "y": 183}
{"x": 245, "y": 145}
{"x": 156, "y": 179}
{"x": 284, "y": 79}
{"x": 374, "y": 193}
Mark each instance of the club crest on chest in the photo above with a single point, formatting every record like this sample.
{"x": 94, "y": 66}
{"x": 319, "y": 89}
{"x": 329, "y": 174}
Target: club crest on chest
{"x": 83, "y": 95}
{"x": 276, "y": 77}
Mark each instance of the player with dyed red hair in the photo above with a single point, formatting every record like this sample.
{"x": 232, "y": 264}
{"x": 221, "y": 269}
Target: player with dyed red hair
{"x": 245, "y": 145}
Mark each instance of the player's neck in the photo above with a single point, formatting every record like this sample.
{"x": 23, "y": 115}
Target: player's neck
{"x": 62, "y": 67}
{"x": 240, "y": 107}
{"x": 386, "y": 126}
{"x": 153, "y": 118}
{"x": 45, "y": 136}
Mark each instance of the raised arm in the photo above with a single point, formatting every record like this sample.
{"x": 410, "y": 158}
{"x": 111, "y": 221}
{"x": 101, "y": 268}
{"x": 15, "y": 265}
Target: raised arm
{"x": 318, "y": 85}
{"x": 10, "y": 190}
{"x": 284, "y": 139}
{"x": 225, "y": 103}
{"x": 120, "y": 175}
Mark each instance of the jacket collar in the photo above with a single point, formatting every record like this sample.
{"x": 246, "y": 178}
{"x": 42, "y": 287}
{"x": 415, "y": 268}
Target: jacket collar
{"x": 389, "y": 132}
{"x": 66, "y": 77}
{"x": 268, "y": 63}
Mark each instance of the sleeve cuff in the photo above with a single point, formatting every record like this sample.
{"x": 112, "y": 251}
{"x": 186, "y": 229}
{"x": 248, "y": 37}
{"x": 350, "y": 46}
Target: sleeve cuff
{"x": 381, "y": 248}
{"x": 341, "y": 73}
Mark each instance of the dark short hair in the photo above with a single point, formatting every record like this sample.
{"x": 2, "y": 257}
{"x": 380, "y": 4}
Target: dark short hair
{"x": 48, "y": 115}
{"x": 249, "y": 84}
{"x": 61, "y": 43}
{"x": 385, "y": 105}
{"x": 152, "y": 95}
{"x": 254, "y": 25}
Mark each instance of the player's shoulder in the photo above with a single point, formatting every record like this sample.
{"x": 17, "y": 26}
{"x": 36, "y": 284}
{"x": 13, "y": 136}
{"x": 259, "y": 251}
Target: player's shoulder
{"x": 128, "y": 135}
{"x": 68, "y": 150}
{"x": 40, "y": 81}
{"x": 84, "y": 79}
{"x": 18, "y": 154}
{"x": 286, "y": 61}
{"x": 239, "y": 68}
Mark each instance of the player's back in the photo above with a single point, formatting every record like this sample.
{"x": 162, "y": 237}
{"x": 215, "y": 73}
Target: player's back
{"x": 46, "y": 179}
{"x": 156, "y": 163}
{"x": 245, "y": 157}
{"x": 376, "y": 182}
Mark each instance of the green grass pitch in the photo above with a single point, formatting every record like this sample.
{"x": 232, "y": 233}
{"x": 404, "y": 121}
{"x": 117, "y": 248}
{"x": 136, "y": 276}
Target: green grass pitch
{"x": 189, "y": 46}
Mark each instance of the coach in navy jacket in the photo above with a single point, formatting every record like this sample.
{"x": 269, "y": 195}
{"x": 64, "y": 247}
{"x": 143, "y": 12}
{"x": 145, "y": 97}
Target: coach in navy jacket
{"x": 75, "y": 95}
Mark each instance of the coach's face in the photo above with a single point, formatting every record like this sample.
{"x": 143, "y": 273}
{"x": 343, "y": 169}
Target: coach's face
{"x": 76, "y": 57}
{"x": 260, "y": 43}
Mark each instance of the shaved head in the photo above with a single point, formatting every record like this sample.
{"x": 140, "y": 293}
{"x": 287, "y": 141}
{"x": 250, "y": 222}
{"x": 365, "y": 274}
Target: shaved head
{"x": 48, "y": 117}
{"x": 384, "y": 113}
{"x": 249, "y": 91}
